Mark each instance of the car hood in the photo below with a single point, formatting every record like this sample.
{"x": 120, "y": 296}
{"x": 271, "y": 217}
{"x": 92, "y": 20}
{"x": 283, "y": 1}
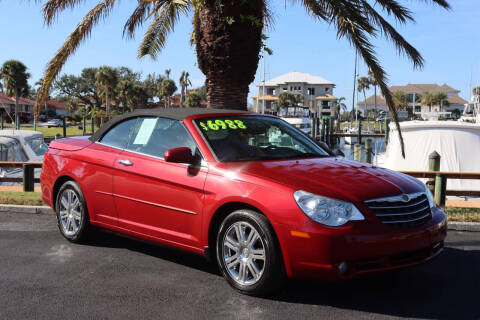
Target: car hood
{"x": 331, "y": 177}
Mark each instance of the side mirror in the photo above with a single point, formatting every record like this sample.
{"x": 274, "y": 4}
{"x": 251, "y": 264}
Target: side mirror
{"x": 326, "y": 148}
{"x": 179, "y": 155}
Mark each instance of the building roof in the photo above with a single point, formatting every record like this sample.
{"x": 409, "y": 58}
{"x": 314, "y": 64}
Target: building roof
{"x": 296, "y": 77}
{"x": 326, "y": 97}
{"x": 57, "y": 104}
{"x": 171, "y": 113}
{"x": 456, "y": 99}
{"x": 424, "y": 87}
{"x": 11, "y": 100}
{"x": 371, "y": 101}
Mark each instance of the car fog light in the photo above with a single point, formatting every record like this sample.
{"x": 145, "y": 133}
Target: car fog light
{"x": 343, "y": 267}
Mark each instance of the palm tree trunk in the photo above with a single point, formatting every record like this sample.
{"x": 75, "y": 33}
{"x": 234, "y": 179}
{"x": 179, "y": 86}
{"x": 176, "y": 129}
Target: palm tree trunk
{"x": 17, "y": 115}
{"x": 375, "y": 95}
{"x": 107, "y": 101}
{"x": 227, "y": 53}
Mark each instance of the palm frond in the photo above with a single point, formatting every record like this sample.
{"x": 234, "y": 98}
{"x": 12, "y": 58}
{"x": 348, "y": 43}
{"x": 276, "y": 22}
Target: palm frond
{"x": 402, "y": 45}
{"x": 82, "y": 31}
{"x": 442, "y": 3}
{"x": 392, "y": 7}
{"x": 136, "y": 18}
{"x": 356, "y": 32}
{"x": 53, "y": 8}
{"x": 163, "y": 23}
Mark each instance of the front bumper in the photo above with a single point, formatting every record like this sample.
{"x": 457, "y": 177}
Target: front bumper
{"x": 365, "y": 246}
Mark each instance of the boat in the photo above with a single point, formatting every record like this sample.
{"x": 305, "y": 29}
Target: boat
{"x": 20, "y": 146}
{"x": 297, "y": 116}
{"x": 457, "y": 143}
{"x": 354, "y": 140}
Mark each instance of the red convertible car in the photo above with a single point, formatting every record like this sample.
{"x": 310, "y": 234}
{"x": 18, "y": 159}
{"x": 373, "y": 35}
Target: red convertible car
{"x": 250, "y": 191}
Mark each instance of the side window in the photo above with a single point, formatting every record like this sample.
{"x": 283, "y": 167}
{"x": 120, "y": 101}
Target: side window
{"x": 154, "y": 136}
{"x": 118, "y": 136}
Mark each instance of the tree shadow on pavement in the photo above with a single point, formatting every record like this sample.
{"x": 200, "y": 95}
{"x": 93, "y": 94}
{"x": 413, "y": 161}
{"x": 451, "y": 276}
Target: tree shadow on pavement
{"x": 445, "y": 288}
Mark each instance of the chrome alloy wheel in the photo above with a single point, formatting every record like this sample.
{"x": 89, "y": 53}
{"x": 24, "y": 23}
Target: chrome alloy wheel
{"x": 70, "y": 212}
{"x": 244, "y": 253}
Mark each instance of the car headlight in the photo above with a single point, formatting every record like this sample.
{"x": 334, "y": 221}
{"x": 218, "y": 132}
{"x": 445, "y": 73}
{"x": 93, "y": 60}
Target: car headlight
{"x": 431, "y": 201}
{"x": 327, "y": 211}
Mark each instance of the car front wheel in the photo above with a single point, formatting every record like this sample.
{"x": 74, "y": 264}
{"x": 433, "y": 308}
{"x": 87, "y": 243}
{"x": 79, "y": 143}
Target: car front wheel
{"x": 248, "y": 253}
{"x": 72, "y": 214}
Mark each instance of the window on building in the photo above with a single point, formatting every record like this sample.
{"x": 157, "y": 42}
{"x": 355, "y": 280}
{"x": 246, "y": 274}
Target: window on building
{"x": 285, "y": 89}
{"x": 326, "y": 89}
{"x": 311, "y": 91}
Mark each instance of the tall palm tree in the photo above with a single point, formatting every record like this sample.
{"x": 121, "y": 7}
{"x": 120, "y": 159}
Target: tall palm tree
{"x": 230, "y": 64}
{"x": 341, "y": 105}
{"x": 166, "y": 90}
{"x": 15, "y": 80}
{"x": 399, "y": 99}
{"x": 106, "y": 79}
{"x": 373, "y": 82}
{"x": 184, "y": 83}
{"x": 428, "y": 99}
{"x": 167, "y": 73}
{"x": 124, "y": 92}
{"x": 363, "y": 83}
{"x": 441, "y": 99}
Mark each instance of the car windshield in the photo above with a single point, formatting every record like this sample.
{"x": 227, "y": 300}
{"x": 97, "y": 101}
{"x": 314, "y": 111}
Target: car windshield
{"x": 250, "y": 138}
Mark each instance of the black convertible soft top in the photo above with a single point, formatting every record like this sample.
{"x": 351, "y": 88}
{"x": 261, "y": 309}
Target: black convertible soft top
{"x": 171, "y": 113}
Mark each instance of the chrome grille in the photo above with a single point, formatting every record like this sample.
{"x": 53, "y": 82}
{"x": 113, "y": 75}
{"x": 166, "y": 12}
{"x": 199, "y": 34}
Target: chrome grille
{"x": 401, "y": 211}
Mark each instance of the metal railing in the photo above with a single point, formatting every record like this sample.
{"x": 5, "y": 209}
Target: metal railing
{"x": 28, "y": 180}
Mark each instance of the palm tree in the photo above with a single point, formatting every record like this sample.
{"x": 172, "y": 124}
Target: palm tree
{"x": 341, "y": 105}
{"x": 441, "y": 100}
{"x": 184, "y": 83}
{"x": 230, "y": 64}
{"x": 428, "y": 99}
{"x": 124, "y": 91}
{"x": 373, "y": 82}
{"x": 399, "y": 99}
{"x": 166, "y": 90}
{"x": 363, "y": 83}
{"x": 106, "y": 79}
{"x": 15, "y": 79}
{"x": 167, "y": 73}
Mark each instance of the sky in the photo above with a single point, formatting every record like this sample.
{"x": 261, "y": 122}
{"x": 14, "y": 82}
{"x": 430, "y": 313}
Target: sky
{"x": 448, "y": 41}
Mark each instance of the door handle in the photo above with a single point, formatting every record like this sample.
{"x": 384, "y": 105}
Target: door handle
{"x": 125, "y": 162}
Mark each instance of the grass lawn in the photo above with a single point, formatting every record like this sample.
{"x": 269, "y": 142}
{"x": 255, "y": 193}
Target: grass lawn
{"x": 463, "y": 214}
{"x": 51, "y": 132}
{"x": 21, "y": 198}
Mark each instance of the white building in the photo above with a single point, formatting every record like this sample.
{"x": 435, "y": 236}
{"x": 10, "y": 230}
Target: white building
{"x": 316, "y": 91}
{"x": 414, "y": 105}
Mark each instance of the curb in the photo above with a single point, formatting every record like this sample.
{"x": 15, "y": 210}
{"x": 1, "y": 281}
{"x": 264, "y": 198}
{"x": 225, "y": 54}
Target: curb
{"x": 25, "y": 209}
{"x": 464, "y": 226}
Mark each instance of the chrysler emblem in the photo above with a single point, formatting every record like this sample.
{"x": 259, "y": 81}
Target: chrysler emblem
{"x": 405, "y": 198}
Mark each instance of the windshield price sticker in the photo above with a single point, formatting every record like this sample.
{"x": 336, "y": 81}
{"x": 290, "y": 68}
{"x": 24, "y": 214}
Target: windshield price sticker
{"x": 222, "y": 125}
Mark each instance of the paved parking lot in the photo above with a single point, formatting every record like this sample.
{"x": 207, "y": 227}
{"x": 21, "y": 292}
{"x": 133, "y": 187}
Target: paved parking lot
{"x": 43, "y": 276}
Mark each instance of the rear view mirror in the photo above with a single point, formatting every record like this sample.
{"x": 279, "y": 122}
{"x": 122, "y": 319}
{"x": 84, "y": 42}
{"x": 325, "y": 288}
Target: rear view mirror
{"x": 179, "y": 155}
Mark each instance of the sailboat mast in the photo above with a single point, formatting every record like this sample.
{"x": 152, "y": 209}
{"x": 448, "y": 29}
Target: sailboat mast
{"x": 354, "y": 86}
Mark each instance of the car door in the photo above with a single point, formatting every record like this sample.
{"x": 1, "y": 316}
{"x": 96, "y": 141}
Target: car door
{"x": 154, "y": 197}
{"x": 97, "y": 172}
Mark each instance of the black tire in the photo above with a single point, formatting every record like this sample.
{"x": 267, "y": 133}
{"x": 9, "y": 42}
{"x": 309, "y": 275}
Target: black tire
{"x": 273, "y": 274}
{"x": 84, "y": 229}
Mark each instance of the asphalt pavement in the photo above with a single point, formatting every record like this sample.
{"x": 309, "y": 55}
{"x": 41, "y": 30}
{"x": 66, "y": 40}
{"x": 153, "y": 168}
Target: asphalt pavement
{"x": 43, "y": 276}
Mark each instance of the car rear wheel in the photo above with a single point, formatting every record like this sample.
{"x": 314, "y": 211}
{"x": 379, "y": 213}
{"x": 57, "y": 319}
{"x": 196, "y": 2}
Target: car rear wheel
{"x": 248, "y": 253}
{"x": 72, "y": 214}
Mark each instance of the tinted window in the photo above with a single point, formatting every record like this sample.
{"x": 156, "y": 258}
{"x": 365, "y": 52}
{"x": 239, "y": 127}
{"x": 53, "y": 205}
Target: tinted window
{"x": 154, "y": 136}
{"x": 247, "y": 138}
{"x": 118, "y": 135}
